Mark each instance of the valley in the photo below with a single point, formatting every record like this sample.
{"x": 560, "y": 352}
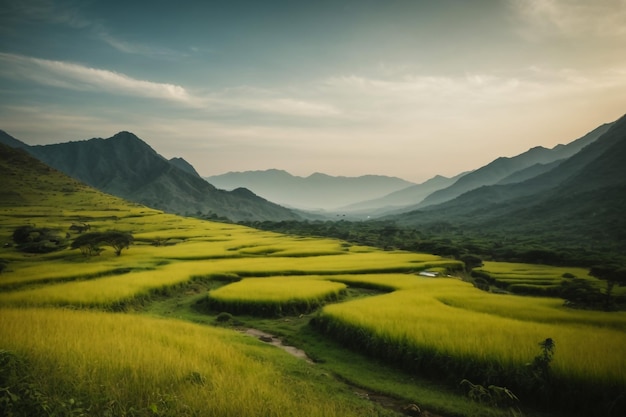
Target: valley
{"x": 155, "y": 328}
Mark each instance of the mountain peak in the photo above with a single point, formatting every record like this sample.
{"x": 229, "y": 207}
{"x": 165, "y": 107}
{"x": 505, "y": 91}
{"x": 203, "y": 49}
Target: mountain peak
{"x": 184, "y": 165}
{"x": 125, "y": 135}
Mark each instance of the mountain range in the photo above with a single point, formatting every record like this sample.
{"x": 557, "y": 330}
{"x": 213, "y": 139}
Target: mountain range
{"x": 126, "y": 166}
{"x": 511, "y": 170}
{"x": 376, "y": 196}
{"x": 315, "y": 192}
{"x": 581, "y": 199}
{"x": 563, "y": 191}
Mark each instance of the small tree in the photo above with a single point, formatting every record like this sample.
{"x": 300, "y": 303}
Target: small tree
{"x": 613, "y": 275}
{"x": 580, "y": 293}
{"x": 471, "y": 262}
{"x": 118, "y": 240}
{"x": 89, "y": 243}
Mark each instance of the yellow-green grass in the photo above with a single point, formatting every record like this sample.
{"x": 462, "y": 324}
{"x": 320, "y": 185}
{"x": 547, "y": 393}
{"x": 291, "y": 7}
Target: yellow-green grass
{"x": 275, "y": 295}
{"x": 105, "y": 291}
{"x": 537, "y": 309}
{"x": 135, "y": 365}
{"x": 122, "y": 288}
{"x": 526, "y": 273}
{"x": 536, "y": 279}
{"x": 277, "y": 289}
{"x": 430, "y": 327}
{"x": 389, "y": 282}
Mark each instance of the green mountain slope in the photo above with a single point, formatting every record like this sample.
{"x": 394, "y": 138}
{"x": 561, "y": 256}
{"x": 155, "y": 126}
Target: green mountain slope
{"x": 125, "y": 166}
{"x": 502, "y": 168}
{"x": 579, "y": 203}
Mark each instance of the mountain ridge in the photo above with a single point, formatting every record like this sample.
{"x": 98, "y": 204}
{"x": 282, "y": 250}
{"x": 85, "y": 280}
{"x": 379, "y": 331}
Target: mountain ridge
{"x": 128, "y": 167}
{"x": 503, "y": 167}
{"x": 581, "y": 199}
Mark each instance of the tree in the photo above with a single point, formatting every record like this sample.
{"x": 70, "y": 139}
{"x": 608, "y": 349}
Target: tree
{"x": 580, "y": 293}
{"x": 89, "y": 243}
{"x": 471, "y": 262}
{"x": 613, "y": 275}
{"x": 118, "y": 240}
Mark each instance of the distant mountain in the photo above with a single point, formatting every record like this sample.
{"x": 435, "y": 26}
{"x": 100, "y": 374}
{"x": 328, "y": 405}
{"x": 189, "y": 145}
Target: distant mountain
{"x": 184, "y": 165}
{"x": 125, "y": 166}
{"x": 582, "y": 199}
{"x": 400, "y": 199}
{"x": 530, "y": 172}
{"x": 503, "y": 167}
{"x": 317, "y": 191}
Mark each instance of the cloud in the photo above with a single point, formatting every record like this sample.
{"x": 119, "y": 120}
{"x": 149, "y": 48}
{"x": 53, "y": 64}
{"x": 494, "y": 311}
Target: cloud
{"x": 82, "y": 78}
{"x": 273, "y": 102}
{"x": 472, "y": 89}
{"x": 572, "y": 18}
{"x": 240, "y": 100}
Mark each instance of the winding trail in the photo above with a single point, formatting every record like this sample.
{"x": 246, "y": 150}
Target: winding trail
{"x": 273, "y": 340}
{"x": 395, "y": 404}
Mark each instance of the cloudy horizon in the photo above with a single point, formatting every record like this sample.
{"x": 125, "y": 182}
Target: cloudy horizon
{"x": 403, "y": 88}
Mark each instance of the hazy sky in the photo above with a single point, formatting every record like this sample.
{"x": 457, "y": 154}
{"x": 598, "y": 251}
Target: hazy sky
{"x": 407, "y": 88}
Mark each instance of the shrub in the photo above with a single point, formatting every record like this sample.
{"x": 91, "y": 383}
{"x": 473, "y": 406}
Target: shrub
{"x": 33, "y": 239}
{"x": 223, "y": 317}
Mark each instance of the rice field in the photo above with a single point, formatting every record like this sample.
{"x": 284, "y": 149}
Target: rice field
{"x": 112, "y": 364}
{"x": 275, "y": 296}
{"x": 531, "y": 279}
{"x": 446, "y": 328}
{"x": 123, "y": 364}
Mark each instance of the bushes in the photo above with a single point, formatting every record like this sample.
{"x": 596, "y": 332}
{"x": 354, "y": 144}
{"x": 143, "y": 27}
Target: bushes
{"x": 33, "y": 239}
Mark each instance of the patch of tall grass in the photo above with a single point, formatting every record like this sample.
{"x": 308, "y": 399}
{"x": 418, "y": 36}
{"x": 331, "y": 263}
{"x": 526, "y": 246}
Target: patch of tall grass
{"x": 113, "y": 364}
{"x": 275, "y": 296}
{"x": 109, "y": 291}
{"x": 536, "y": 309}
{"x": 491, "y": 344}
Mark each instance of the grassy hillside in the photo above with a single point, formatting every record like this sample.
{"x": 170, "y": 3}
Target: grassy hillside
{"x": 137, "y": 334}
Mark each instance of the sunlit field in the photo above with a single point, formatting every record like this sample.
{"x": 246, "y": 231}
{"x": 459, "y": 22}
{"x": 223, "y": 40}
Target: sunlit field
{"x": 445, "y": 326}
{"x": 527, "y": 278}
{"x": 275, "y": 296}
{"x": 133, "y": 365}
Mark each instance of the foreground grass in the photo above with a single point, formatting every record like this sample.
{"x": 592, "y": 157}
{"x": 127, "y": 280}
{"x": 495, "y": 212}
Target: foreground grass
{"x": 134, "y": 365}
{"x": 489, "y": 340}
{"x": 355, "y": 371}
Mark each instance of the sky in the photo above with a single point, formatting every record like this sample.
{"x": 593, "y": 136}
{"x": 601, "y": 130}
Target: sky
{"x": 405, "y": 88}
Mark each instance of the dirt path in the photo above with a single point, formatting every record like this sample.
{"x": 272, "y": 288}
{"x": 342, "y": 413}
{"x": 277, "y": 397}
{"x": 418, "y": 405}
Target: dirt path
{"x": 398, "y": 405}
{"x": 273, "y": 340}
